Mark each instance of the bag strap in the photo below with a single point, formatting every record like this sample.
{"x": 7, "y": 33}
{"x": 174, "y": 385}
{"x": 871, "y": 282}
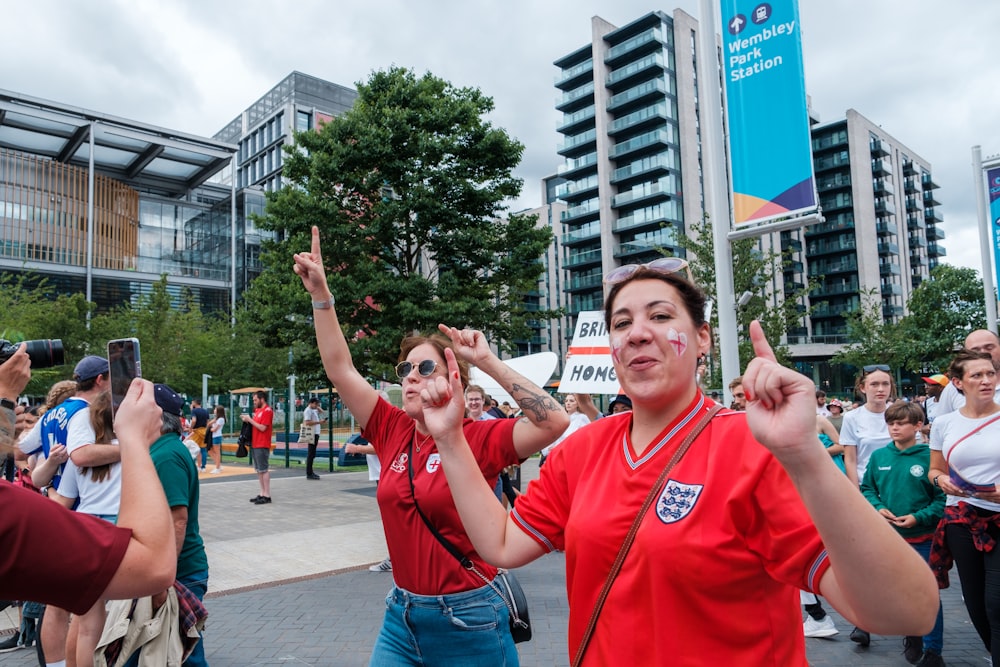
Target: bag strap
{"x": 947, "y": 458}
{"x": 630, "y": 537}
{"x": 452, "y": 549}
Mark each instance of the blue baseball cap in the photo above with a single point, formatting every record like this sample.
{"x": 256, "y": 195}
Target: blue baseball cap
{"x": 90, "y": 367}
{"x": 168, "y": 399}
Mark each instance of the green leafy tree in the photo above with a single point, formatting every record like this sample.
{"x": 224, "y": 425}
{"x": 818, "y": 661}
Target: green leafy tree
{"x": 873, "y": 341}
{"x": 408, "y": 190}
{"x": 941, "y": 312}
{"x": 753, "y": 271}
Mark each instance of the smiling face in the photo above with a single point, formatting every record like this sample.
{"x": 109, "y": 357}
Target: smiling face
{"x": 655, "y": 343}
{"x": 474, "y": 403}
{"x": 414, "y": 381}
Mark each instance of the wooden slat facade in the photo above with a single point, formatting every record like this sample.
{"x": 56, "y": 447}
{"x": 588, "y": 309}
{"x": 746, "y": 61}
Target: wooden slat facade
{"x": 43, "y": 214}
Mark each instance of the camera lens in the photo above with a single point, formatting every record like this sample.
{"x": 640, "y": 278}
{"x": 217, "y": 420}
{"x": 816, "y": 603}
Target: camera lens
{"x": 45, "y": 353}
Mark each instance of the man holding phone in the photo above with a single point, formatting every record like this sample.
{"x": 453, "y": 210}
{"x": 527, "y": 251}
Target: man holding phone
{"x": 260, "y": 445}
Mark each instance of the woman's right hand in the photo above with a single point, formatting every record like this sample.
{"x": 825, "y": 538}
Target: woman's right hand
{"x": 309, "y": 267}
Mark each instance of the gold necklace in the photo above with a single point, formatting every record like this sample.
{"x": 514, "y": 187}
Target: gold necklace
{"x": 420, "y": 444}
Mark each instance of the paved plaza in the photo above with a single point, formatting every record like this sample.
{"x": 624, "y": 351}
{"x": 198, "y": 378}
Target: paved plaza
{"x": 289, "y": 582}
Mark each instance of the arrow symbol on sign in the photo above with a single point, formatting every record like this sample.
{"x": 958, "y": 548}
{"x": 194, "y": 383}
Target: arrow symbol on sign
{"x": 736, "y": 24}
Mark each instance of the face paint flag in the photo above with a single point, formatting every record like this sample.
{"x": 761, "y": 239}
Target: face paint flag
{"x": 770, "y": 151}
{"x": 588, "y": 367}
{"x": 993, "y": 183}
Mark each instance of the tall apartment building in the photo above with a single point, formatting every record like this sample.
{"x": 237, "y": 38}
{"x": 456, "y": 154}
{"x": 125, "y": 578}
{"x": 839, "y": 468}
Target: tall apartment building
{"x": 631, "y": 148}
{"x": 880, "y": 239}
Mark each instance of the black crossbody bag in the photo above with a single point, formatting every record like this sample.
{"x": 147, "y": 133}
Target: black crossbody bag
{"x": 505, "y": 583}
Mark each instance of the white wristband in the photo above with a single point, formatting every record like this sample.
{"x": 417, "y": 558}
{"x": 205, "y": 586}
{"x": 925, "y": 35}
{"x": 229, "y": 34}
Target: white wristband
{"x": 324, "y": 305}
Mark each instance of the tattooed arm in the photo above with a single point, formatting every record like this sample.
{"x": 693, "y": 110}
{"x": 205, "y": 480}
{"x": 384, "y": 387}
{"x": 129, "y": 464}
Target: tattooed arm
{"x": 544, "y": 418}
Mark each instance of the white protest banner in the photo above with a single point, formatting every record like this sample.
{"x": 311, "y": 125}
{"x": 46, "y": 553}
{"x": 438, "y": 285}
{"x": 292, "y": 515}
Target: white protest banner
{"x": 588, "y": 363}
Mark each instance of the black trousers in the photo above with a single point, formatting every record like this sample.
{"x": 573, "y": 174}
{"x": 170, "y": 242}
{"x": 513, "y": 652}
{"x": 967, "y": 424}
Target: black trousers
{"x": 980, "y": 575}
{"x": 311, "y": 455}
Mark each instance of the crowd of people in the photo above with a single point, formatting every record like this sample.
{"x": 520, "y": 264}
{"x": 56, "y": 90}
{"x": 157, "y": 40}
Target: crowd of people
{"x": 698, "y": 518}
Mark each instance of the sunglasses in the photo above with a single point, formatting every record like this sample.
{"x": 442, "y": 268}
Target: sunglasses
{"x": 663, "y": 265}
{"x": 425, "y": 368}
{"x": 875, "y": 367}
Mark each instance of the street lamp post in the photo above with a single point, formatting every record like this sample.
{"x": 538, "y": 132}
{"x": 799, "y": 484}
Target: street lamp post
{"x": 204, "y": 389}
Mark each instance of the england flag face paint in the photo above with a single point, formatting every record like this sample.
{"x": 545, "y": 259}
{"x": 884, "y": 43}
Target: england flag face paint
{"x": 677, "y": 340}
{"x": 616, "y": 346}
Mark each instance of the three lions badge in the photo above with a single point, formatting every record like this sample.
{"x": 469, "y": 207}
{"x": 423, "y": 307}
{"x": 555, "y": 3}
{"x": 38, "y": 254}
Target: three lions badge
{"x": 677, "y": 500}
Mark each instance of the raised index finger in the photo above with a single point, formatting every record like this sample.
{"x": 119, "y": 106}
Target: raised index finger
{"x": 761, "y": 348}
{"x": 315, "y": 240}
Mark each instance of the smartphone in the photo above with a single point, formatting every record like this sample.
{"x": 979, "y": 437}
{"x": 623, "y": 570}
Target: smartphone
{"x": 124, "y": 365}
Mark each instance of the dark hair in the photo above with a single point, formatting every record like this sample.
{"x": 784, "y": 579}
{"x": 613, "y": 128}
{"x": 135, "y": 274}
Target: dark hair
{"x": 692, "y": 295}
{"x": 87, "y": 385}
{"x": 901, "y": 411}
{"x": 220, "y": 411}
{"x": 104, "y": 433}
{"x": 439, "y": 343}
{"x": 820, "y": 393}
{"x": 262, "y": 395}
{"x": 962, "y": 358}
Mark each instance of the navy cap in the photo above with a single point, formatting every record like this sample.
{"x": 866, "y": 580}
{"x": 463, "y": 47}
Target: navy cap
{"x": 621, "y": 399}
{"x": 168, "y": 399}
{"x": 90, "y": 367}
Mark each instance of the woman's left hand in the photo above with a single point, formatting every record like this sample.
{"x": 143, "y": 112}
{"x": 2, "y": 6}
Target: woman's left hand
{"x": 781, "y": 403}
{"x": 444, "y": 403}
{"x": 470, "y": 345}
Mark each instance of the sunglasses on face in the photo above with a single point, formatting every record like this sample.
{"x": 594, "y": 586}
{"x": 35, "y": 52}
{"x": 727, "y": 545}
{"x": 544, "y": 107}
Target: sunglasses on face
{"x": 425, "y": 368}
{"x": 663, "y": 265}
{"x": 875, "y": 367}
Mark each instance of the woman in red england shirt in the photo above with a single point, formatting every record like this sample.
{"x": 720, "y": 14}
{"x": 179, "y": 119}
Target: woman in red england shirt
{"x": 438, "y": 612}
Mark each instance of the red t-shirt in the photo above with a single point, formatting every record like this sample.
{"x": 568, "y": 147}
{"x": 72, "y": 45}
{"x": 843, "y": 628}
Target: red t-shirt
{"x": 712, "y": 576}
{"x": 52, "y": 555}
{"x": 420, "y": 564}
{"x": 262, "y": 439}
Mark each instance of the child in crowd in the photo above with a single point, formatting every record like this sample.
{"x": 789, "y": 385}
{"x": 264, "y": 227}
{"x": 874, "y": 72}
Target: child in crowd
{"x": 896, "y": 484}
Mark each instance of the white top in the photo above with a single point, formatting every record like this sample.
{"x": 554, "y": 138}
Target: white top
{"x": 312, "y": 415}
{"x": 951, "y": 400}
{"x": 823, "y": 411}
{"x": 101, "y": 497}
{"x": 867, "y": 431}
{"x": 217, "y": 426}
{"x": 577, "y": 420}
{"x": 374, "y": 467}
{"x": 977, "y": 458}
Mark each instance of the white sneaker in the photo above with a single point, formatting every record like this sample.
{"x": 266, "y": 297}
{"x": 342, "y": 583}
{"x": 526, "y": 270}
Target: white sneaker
{"x": 384, "y": 566}
{"x": 814, "y": 628}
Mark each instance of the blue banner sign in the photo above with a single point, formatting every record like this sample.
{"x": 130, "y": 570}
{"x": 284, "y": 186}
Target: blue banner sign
{"x": 993, "y": 185}
{"x": 770, "y": 151}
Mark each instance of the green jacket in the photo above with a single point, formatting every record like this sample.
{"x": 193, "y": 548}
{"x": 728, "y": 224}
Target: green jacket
{"x": 897, "y": 480}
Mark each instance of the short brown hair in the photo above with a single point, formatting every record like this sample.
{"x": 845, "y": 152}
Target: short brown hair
{"x": 963, "y": 357}
{"x": 440, "y": 343}
{"x": 902, "y": 411}
{"x": 738, "y": 382}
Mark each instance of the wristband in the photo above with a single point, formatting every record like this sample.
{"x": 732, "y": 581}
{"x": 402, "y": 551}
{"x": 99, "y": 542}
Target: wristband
{"x": 324, "y": 305}
{"x": 7, "y": 403}
{"x": 936, "y": 483}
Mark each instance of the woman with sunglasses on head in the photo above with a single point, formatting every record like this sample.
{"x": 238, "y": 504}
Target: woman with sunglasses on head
{"x": 752, "y": 512}
{"x": 965, "y": 463}
{"x": 438, "y": 611}
{"x": 864, "y": 430}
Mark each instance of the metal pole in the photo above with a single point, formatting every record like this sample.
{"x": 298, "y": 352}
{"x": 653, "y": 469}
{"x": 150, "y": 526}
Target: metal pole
{"x": 717, "y": 192}
{"x": 232, "y": 245}
{"x": 985, "y": 239}
{"x": 90, "y": 223}
{"x": 204, "y": 390}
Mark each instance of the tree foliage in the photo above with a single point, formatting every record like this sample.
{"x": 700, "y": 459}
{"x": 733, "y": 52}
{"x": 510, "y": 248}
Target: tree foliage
{"x": 407, "y": 188}
{"x": 753, "y": 271}
{"x": 873, "y": 341}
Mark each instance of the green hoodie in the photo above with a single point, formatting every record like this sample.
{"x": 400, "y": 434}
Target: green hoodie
{"x": 897, "y": 480}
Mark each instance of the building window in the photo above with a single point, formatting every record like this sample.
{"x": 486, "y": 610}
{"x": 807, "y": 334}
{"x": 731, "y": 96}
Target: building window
{"x": 303, "y": 121}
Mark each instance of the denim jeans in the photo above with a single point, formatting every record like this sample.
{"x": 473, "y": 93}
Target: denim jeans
{"x": 934, "y": 641}
{"x": 470, "y": 628}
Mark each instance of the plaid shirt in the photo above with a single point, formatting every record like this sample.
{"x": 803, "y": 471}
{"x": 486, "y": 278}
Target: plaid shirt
{"x": 964, "y": 514}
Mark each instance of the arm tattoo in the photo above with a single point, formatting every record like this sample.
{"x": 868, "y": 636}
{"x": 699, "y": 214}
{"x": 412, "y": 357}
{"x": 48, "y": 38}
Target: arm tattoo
{"x": 539, "y": 404}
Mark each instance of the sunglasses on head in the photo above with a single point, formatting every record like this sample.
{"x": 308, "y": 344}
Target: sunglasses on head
{"x": 424, "y": 368}
{"x": 663, "y": 265}
{"x": 875, "y": 367}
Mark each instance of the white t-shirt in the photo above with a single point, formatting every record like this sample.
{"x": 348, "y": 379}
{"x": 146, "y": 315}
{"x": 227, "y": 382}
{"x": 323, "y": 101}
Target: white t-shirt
{"x": 975, "y": 458}
{"x": 312, "y": 415}
{"x": 217, "y": 426}
{"x": 951, "y": 400}
{"x": 97, "y": 498}
{"x": 577, "y": 420}
{"x": 374, "y": 467}
{"x": 867, "y": 431}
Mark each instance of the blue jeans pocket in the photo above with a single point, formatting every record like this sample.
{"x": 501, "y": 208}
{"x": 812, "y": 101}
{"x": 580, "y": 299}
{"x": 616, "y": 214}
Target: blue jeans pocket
{"x": 474, "y": 616}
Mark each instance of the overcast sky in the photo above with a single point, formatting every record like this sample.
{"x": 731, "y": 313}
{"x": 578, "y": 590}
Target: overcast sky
{"x": 922, "y": 70}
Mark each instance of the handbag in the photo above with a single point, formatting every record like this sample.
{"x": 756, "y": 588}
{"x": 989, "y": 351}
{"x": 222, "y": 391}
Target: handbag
{"x": 505, "y": 583}
{"x": 630, "y": 537}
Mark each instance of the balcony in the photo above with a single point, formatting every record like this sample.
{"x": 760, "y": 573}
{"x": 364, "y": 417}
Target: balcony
{"x": 577, "y": 165}
{"x": 792, "y": 266}
{"x": 578, "y": 143}
{"x": 661, "y": 189}
{"x": 910, "y": 186}
{"x": 651, "y": 65}
{"x": 792, "y": 286}
{"x": 655, "y": 88}
{"x": 824, "y": 309}
{"x": 908, "y": 168}
{"x": 588, "y": 232}
{"x": 575, "y": 75}
{"x": 892, "y": 311}
{"x": 591, "y": 207}
{"x": 931, "y": 216}
{"x": 833, "y": 182}
{"x": 574, "y": 99}
{"x": 883, "y": 188}
{"x": 878, "y": 149}
{"x": 833, "y": 246}
{"x": 838, "y": 201}
{"x": 930, "y": 199}
{"x": 838, "y": 159}
{"x": 828, "y": 141}
{"x": 891, "y": 289}
{"x": 913, "y": 204}
{"x": 928, "y": 182}
{"x": 646, "y": 167}
{"x": 888, "y": 269}
{"x": 916, "y": 259}
{"x": 586, "y": 281}
{"x": 884, "y": 228}
{"x": 884, "y": 207}
{"x": 576, "y": 121}
{"x": 915, "y": 222}
{"x": 577, "y": 260}
{"x": 881, "y": 167}
{"x": 826, "y": 268}
{"x": 833, "y": 224}
{"x": 648, "y": 143}
{"x": 887, "y": 248}
{"x": 576, "y": 190}
{"x": 935, "y": 233}
{"x": 653, "y": 116}
{"x": 936, "y": 250}
{"x": 652, "y": 216}
{"x": 835, "y": 288}
{"x": 917, "y": 241}
{"x": 645, "y": 42}
{"x": 794, "y": 245}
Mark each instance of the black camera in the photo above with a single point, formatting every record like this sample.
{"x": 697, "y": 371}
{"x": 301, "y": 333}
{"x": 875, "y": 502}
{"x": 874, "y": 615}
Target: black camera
{"x": 43, "y": 353}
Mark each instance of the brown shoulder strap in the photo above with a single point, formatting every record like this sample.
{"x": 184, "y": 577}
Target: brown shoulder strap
{"x": 630, "y": 537}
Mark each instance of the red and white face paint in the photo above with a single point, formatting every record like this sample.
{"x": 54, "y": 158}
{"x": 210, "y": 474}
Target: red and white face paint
{"x": 678, "y": 340}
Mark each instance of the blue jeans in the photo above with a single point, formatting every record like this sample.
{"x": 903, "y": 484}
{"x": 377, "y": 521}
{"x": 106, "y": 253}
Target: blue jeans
{"x": 197, "y": 583}
{"x": 934, "y": 641}
{"x": 470, "y": 628}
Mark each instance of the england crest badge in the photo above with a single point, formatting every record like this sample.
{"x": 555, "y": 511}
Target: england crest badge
{"x": 677, "y": 500}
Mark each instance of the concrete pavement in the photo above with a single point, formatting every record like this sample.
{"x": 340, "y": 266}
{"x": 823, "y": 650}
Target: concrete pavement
{"x": 289, "y": 583}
